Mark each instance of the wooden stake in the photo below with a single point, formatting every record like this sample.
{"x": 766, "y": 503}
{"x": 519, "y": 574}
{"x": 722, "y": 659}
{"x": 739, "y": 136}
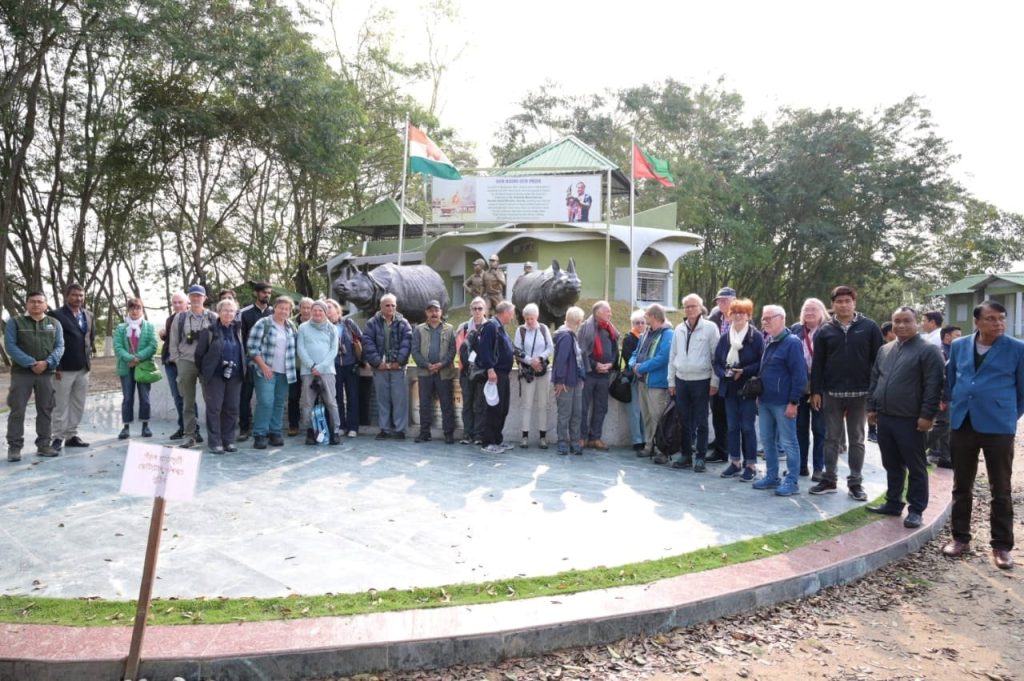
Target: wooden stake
{"x": 156, "y": 523}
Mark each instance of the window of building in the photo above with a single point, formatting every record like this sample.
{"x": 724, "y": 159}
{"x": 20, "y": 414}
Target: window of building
{"x": 458, "y": 292}
{"x": 652, "y": 286}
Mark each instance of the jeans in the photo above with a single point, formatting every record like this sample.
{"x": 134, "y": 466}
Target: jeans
{"x": 636, "y": 417}
{"x": 570, "y": 410}
{"x": 692, "y": 400}
{"x": 740, "y": 414}
{"x": 222, "y": 398}
{"x": 902, "y": 447}
{"x": 494, "y": 417}
{"x": 128, "y": 387}
{"x": 855, "y": 419}
{"x": 271, "y": 394}
{"x": 778, "y": 432}
{"x": 172, "y": 382}
{"x": 964, "y": 444}
{"x": 808, "y": 422}
{"x": 595, "y": 405}
{"x": 347, "y": 395}
{"x": 392, "y": 399}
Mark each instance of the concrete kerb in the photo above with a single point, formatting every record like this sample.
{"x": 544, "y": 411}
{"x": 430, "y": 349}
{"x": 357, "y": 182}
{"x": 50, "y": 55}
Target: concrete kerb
{"x": 421, "y": 639}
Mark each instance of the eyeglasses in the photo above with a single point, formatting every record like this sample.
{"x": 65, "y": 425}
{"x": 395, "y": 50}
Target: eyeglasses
{"x": 476, "y": 308}
{"x": 639, "y": 322}
{"x": 769, "y": 318}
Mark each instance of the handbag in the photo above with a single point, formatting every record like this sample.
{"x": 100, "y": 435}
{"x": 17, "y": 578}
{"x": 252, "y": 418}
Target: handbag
{"x": 147, "y": 371}
{"x": 752, "y": 388}
{"x": 619, "y": 387}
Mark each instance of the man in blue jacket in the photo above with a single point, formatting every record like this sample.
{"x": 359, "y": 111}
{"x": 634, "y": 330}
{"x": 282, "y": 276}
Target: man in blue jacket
{"x": 494, "y": 353}
{"x": 784, "y": 376}
{"x": 387, "y": 342}
{"x": 650, "y": 366}
{"x": 985, "y": 382}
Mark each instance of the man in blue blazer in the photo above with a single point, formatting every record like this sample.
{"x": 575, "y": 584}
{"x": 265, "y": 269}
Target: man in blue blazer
{"x": 985, "y": 379}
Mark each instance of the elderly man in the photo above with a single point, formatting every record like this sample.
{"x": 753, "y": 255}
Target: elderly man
{"x": 249, "y": 315}
{"x": 494, "y": 353}
{"x": 387, "y": 341}
{"x": 903, "y": 399}
{"x": 720, "y": 318}
{"x": 473, "y": 405}
{"x": 985, "y": 378}
{"x": 35, "y": 343}
{"x": 73, "y": 371}
{"x": 692, "y": 381}
{"x": 433, "y": 350}
{"x": 184, "y": 336}
{"x": 650, "y": 366}
{"x": 599, "y": 342}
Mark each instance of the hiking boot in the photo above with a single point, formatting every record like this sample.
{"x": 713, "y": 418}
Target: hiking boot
{"x": 661, "y": 458}
{"x": 310, "y": 437}
{"x": 47, "y": 451}
{"x": 543, "y": 444}
{"x": 13, "y": 454}
{"x": 75, "y": 441}
{"x": 382, "y": 435}
{"x": 683, "y": 462}
{"x": 178, "y": 434}
{"x": 123, "y": 435}
{"x": 823, "y": 487}
{"x": 698, "y": 466}
{"x": 857, "y": 493}
{"x": 422, "y": 437}
{"x": 275, "y": 440}
{"x": 146, "y": 432}
{"x": 259, "y": 442}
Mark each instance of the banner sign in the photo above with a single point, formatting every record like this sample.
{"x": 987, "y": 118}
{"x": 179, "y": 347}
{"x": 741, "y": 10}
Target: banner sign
{"x": 517, "y": 198}
{"x": 156, "y": 471}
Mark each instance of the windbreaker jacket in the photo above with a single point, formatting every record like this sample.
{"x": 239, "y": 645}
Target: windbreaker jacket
{"x": 906, "y": 381}
{"x": 843, "y": 358}
{"x": 653, "y": 366}
{"x": 783, "y": 370}
{"x": 693, "y": 353}
{"x": 374, "y": 341}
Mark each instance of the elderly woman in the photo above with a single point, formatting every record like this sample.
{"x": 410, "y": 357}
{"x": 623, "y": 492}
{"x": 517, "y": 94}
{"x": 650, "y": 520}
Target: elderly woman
{"x": 317, "y": 347}
{"x": 630, "y": 341}
{"x": 271, "y": 349}
{"x": 134, "y": 342}
{"x": 473, "y": 404}
{"x": 650, "y": 365}
{"x": 784, "y": 375}
{"x": 737, "y": 359}
{"x": 568, "y": 371}
{"x": 295, "y": 389}
{"x": 220, "y": 356}
{"x": 179, "y": 303}
{"x": 346, "y": 367}
{"x": 812, "y": 315}
{"x": 533, "y": 348}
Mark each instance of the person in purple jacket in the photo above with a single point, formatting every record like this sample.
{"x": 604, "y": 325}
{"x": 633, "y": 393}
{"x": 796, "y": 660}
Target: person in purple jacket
{"x": 784, "y": 377}
{"x": 568, "y": 371}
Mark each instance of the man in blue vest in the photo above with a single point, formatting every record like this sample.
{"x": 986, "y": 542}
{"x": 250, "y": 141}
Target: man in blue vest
{"x": 985, "y": 379}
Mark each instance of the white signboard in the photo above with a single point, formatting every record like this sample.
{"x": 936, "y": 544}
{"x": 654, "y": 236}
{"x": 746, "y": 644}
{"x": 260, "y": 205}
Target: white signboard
{"x": 151, "y": 470}
{"x": 519, "y": 199}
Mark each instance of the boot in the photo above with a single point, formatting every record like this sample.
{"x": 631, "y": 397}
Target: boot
{"x": 335, "y": 439}
{"x": 310, "y": 437}
{"x": 123, "y": 435}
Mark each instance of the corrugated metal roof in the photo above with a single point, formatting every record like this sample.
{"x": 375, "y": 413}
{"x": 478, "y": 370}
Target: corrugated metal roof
{"x": 1014, "y": 278}
{"x": 384, "y": 213}
{"x": 567, "y": 155}
{"x": 971, "y": 282}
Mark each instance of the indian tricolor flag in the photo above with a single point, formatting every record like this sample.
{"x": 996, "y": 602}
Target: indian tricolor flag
{"x": 647, "y": 166}
{"x": 426, "y": 157}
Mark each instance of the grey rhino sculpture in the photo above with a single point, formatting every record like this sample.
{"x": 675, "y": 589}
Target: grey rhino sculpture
{"x": 413, "y": 285}
{"x": 554, "y": 290}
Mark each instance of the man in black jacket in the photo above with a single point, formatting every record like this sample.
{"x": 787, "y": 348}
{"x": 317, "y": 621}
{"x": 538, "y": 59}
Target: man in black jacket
{"x": 844, "y": 352}
{"x": 249, "y": 315}
{"x": 903, "y": 398}
{"x": 72, "y": 376}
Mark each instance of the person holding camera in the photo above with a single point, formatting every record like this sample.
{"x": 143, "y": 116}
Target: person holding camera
{"x": 219, "y": 356}
{"x": 317, "y": 346}
{"x": 185, "y": 332}
{"x": 532, "y": 346}
{"x": 737, "y": 360}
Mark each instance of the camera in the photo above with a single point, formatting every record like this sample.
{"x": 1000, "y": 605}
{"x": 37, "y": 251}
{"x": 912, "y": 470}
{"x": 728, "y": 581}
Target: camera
{"x": 190, "y": 337}
{"x": 229, "y": 369}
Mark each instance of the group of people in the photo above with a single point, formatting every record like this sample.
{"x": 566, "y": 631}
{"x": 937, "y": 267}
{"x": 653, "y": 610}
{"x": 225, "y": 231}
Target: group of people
{"x": 815, "y": 386}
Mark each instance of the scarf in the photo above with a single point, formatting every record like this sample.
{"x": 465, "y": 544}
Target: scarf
{"x": 612, "y": 334}
{"x": 736, "y": 338}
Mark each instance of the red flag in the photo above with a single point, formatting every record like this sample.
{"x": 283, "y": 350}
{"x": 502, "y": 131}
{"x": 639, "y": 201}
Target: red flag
{"x": 651, "y": 168}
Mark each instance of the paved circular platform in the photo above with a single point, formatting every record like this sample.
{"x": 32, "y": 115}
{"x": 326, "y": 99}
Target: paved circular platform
{"x": 367, "y": 514}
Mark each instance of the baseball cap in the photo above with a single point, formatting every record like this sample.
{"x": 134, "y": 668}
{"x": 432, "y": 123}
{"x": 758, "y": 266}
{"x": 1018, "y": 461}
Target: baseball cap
{"x": 433, "y": 303}
{"x": 196, "y": 288}
{"x": 726, "y": 292}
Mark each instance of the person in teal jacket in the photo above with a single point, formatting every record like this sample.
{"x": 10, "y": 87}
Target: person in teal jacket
{"x": 134, "y": 342}
{"x": 649, "y": 364}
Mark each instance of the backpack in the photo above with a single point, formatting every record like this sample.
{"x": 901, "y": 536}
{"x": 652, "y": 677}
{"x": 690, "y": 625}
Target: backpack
{"x": 319, "y": 420}
{"x": 668, "y": 436}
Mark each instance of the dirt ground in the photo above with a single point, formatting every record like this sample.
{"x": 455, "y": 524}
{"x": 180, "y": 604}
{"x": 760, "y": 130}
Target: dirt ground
{"x": 102, "y": 378}
{"x": 924, "y": 617}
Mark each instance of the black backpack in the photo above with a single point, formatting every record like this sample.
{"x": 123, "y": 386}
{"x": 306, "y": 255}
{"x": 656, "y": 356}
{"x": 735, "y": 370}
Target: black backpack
{"x": 668, "y": 437}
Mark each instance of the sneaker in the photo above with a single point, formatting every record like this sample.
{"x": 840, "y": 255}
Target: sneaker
{"x": 466, "y": 441}
{"x": 661, "y": 459}
{"x": 422, "y": 437}
{"x": 230, "y": 449}
{"x": 683, "y": 462}
{"x": 13, "y": 455}
{"x": 525, "y": 443}
{"x": 189, "y": 443}
{"x": 787, "y": 489}
{"x": 123, "y": 435}
{"x": 57, "y": 443}
{"x": 748, "y": 474}
{"x": 543, "y": 444}
{"x": 275, "y": 440}
{"x": 449, "y": 439}
{"x": 698, "y": 466}
{"x": 857, "y": 493}
{"x": 885, "y": 509}
{"x": 293, "y": 431}
{"x": 643, "y": 453}
{"x": 146, "y": 432}
{"x": 766, "y": 483}
{"x": 817, "y": 476}
{"x": 731, "y": 471}
{"x": 912, "y": 521}
{"x": 75, "y": 441}
{"x": 216, "y": 450}
{"x": 599, "y": 445}
{"x": 576, "y": 451}
{"x": 478, "y": 441}
{"x": 199, "y": 436}
{"x": 823, "y": 487}
{"x": 493, "y": 449}
{"x": 244, "y": 435}
{"x": 47, "y": 451}
{"x": 382, "y": 435}
{"x": 507, "y": 446}
{"x": 260, "y": 442}
{"x": 400, "y": 435}
{"x": 353, "y": 433}
{"x": 178, "y": 434}
{"x": 717, "y": 457}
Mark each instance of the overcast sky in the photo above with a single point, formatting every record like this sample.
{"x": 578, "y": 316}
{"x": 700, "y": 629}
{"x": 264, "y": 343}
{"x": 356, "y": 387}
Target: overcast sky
{"x": 963, "y": 59}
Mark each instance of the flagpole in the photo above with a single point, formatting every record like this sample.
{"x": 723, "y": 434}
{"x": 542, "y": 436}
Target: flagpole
{"x": 405, "y": 168}
{"x": 632, "y": 213}
{"x": 607, "y": 214}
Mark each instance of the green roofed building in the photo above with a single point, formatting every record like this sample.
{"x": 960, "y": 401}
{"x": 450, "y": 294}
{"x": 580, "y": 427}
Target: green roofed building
{"x": 653, "y": 247}
{"x": 963, "y": 295}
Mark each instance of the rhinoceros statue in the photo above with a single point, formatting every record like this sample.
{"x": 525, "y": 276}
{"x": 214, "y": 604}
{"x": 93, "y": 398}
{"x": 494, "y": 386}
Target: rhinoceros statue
{"x": 413, "y": 285}
{"x": 554, "y": 291}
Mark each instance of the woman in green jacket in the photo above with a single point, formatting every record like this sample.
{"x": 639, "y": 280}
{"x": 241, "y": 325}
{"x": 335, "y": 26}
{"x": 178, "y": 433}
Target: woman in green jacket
{"x": 134, "y": 342}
